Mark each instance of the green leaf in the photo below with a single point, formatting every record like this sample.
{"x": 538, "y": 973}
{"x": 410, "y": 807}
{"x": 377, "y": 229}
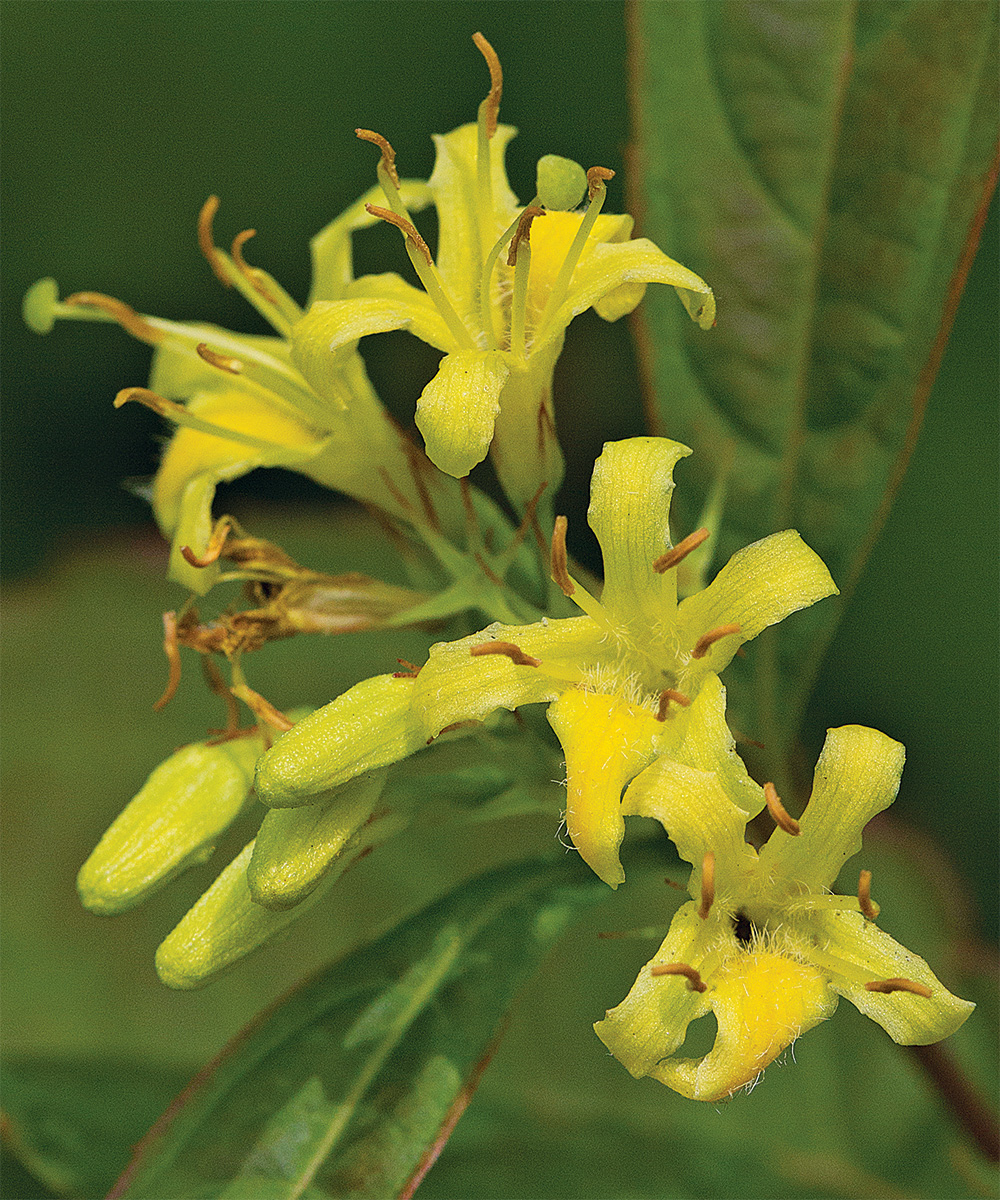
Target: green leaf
{"x": 826, "y": 167}
{"x": 73, "y": 1122}
{"x": 349, "y": 1087}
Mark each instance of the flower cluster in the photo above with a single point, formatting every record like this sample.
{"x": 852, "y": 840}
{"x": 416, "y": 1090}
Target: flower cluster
{"x": 630, "y": 677}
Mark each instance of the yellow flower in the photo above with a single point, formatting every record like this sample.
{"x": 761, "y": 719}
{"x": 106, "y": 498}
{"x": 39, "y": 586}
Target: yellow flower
{"x": 764, "y": 945}
{"x": 634, "y": 677}
{"x": 497, "y": 298}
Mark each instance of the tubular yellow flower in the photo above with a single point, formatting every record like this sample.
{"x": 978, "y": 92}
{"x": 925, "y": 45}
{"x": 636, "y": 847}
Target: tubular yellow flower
{"x": 764, "y": 945}
{"x": 633, "y": 678}
{"x": 497, "y": 299}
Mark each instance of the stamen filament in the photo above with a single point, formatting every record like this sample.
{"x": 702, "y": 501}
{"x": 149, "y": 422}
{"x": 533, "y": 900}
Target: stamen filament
{"x": 869, "y": 909}
{"x": 899, "y": 984}
{"x": 519, "y": 257}
{"x": 695, "y": 981}
{"x": 679, "y": 552}
{"x": 779, "y": 813}
{"x": 595, "y": 179}
{"x": 181, "y": 416}
{"x": 707, "y": 640}
{"x": 707, "y": 885}
{"x": 486, "y": 127}
{"x": 486, "y": 280}
{"x": 423, "y": 264}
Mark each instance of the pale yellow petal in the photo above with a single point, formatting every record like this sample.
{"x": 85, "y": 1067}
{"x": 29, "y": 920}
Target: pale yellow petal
{"x": 457, "y": 410}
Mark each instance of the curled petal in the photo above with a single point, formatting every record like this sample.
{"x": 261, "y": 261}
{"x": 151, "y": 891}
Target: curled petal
{"x": 759, "y": 586}
{"x": 856, "y": 777}
{"x": 629, "y": 511}
{"x": 369, "y": 726}
{"x": 457, "y": 410}
{"x": 606, "y": 742}
{"x": 762, "y": 1003}
{"x": 859, "y": 952}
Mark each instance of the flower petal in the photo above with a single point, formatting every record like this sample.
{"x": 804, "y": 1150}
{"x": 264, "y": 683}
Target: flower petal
{"x": 651, "y": 1022}
{"x": 458, "y": 409}
{"x": 369, "y": 726}
{"x": 174, "y": 822}
{"x": 455, "y": 686}
{"x": 759, "y": 586}
{"x": 697, "y": 815}
{"x": 909, "y": 1019}
{"x": 856, "y": 777}
{"x": 550, "y": 243}
{"x": 762, "y": 1002}
{"x": 606, "y": 742}
{"x": 333, "y": 269}
{"x": 610, "y": 266}
{"x": 629, "y": 511}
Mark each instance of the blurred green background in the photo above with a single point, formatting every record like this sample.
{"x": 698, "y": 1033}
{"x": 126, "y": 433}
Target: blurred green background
{"x": 120, "y": 118}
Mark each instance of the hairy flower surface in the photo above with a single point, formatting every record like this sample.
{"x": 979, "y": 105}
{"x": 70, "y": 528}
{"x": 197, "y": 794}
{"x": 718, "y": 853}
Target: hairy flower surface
{"x": 634, "y": 677}
{"x": 498, "y": 295}
{"x": 764, "y": 945}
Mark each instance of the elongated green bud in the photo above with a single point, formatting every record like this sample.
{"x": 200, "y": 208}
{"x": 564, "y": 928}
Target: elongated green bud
{"x": 561, "y": 182}
{"x": 173, "y": 823}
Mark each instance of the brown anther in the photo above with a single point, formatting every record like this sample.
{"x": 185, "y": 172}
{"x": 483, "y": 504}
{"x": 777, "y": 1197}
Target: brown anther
{"x": 868, "y": 910}
{"x": 206, "y": 240}
{"x": 514, "y": 653}
{"x": 172, "y": 651}
{"x": 153, "y": 400}
{"x": 409, "y": 671}
{"x": 523, "y": 231}
{"x": 596, "y": 179}
{"x": 666, "y": 696}
{"x": 492, "y": 101}
{"x": 707, "y": 885}
{"x": 214, "y": 547}
{"x": 557, "y": 560}
{"x": 388, "y": 154}
{"x": 779, "y": 812}
{"x": 695, "y": 981}
{"x": 899, "y": 984}
{"x": 408, "y": 228}
{"x": 680, "y": 551}
{"x": 224, "y": 362}
{"x": 253, "y": 276}
{"x": 126, "y": 316}
{"x": 703, "y": 644}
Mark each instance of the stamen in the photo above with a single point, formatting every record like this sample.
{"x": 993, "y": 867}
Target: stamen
{"x": 672, "y": 557}
{"x": 560, "y": 574}
{"x": 899, "y": 984}
{"x": 491, "y": 105}
{"x": 214, "y": 547}
{"x": 596, "y": 179}
{"x": 408, "y": 228}
{"x": 514, "y": 653}
{"x": 666, "y": 696}
{"x": 523, "y": 231}
{"x": 250, "y": 274}
{"x": 388, "y": 162}
{"x": 779, "y": 812}
{"x": 126, "y": 317}
{"x": 701, "y": 647}
{"x": 206, "y": 240}
{"x": 178, "y": 413}
{"x": 172, "y": 651}
{"x": 223, "y": 361}
{"x": 695, "y": 981}
{"x": 707, "y": 885}
{"x": 868, "y": 910}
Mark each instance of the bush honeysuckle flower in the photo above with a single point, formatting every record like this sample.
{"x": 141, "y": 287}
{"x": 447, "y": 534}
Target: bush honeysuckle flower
{"x": 635, "y": 677}
{"x": 256, "y": 401}
{"x": 505, "y": 283}
{"x": 764, "y": 945}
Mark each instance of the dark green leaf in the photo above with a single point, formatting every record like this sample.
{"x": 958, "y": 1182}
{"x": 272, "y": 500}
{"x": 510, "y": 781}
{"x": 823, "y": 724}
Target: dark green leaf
{"x": 826, "y": 167}
{"x": 73, "y": 1123}
{"x": 345, "y": 1087}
